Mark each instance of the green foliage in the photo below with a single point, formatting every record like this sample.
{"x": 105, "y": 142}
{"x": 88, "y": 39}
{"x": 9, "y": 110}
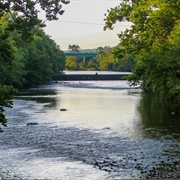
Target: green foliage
{"x": 15, "y": 74}
{"x": 27, "y": 55}
{"x": 153, "y": 40}
{"x": 43, "y": 59}
{"x": 106, "y": 60}
{"x": 109, "y": 60}
{"x": 7, "y": 93}
{"x": 28, "y": 13}
{"x": 92, "y": 64}
{"x": 72, "y": 63}
{"x": 74, "y": 48}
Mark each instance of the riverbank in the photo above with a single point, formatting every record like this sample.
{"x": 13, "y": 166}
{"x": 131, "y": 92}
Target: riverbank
{"x": 94, "y": 139}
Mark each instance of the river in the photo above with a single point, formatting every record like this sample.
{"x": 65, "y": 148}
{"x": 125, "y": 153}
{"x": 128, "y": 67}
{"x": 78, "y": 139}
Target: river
{"x": 89, "y": 130}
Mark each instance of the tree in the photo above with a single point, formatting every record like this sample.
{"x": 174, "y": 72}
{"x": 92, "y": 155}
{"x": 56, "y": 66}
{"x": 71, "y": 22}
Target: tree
{"x": 7, "y": 93}
{"x": 29, "y": 9}
{"x": 92, "y": 64}
{"x": 22, "y": 18}
{"x": 153, "y": 39}
{"x": 7, "y": 53}
{"x": 74, "y": 48}
{"x": 27, "y": 12}
{"x": 109, "y": 59}
{"x": 43, "y": 59}
{"x": 72, "y": 63}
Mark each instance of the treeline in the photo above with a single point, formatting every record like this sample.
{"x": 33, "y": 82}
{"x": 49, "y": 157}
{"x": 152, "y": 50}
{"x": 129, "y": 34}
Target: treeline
{"x": 154, "y": 41}
{"x": 106, "y": 60}
{"x": 25, "y": 61}
{"x": 29, "y": 61}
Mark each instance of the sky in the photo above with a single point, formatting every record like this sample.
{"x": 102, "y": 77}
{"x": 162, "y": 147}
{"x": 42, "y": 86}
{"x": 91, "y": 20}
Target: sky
{"x": 82, "y": 24}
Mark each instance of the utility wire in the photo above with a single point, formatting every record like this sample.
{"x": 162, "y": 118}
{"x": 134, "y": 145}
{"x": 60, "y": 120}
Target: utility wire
{"x": 74, "y": 22}
{"x": 83, "y": 23}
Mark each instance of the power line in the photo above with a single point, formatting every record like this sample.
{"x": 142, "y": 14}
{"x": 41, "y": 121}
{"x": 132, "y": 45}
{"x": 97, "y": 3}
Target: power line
{"x": 83, "y": 23}
{"x": 88, "y": 23}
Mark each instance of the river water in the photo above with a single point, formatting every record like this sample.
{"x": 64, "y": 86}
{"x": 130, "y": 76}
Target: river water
{"x": 108, "y": 130}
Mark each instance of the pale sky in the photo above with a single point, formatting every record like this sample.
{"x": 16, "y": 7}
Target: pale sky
{"x": 82, "y": 24}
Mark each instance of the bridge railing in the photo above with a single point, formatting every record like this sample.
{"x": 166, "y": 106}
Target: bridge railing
{"x": 80, "y": 54}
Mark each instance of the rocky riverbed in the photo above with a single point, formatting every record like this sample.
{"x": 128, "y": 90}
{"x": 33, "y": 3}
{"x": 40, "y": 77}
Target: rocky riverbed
{"x": 51, "y": 151}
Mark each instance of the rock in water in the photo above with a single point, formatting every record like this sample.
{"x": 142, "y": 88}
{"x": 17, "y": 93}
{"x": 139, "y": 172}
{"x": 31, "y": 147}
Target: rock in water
{"x": 30, "y": 124}
{"x": 63, "y": 109}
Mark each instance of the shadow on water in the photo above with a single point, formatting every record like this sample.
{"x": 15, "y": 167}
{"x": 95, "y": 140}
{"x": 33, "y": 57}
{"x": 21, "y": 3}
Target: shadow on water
{"x": 45, "y": 96}
{"x": 36, "y": 92}
{"x": 156, "y": 152}
{"x": 158, "y": 119}
{"x": 161, "y": 124}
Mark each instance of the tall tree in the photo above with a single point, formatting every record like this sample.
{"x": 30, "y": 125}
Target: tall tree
{"x": 29, "y": 9}
{"x": 153, "y": 39}
{"x": 23, "y": 18}
{"x": 74, "y": 48}
{"x": 44, "y": 58}
{"x": 7, "y": 53}
{"x": 28, "y": 13}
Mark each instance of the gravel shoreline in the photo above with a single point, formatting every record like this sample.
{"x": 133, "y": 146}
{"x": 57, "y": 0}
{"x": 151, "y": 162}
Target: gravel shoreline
{"x": 119, "y": 157}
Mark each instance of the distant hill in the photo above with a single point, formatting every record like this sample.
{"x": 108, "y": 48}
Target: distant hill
{"x": 89, "y": 42}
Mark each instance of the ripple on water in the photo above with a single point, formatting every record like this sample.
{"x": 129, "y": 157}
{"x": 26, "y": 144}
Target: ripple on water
{"x": 61, "y": 150}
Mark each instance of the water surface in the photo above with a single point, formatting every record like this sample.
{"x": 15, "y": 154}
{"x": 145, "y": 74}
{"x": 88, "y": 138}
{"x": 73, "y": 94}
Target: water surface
{"x": 108, "y": 131}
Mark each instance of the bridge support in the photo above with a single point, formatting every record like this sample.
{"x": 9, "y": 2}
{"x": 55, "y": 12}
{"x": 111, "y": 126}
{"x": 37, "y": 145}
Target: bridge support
{"x": 84, "y": 61}
{"x": 82, "y": 55}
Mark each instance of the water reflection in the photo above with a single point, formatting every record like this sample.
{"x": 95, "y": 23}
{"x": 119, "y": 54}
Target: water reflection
{"x": 45, "y": 96}
{"x": 147, "y": 133}
{"x": 114, "y": 109}
{"x": 157, "y": 119}
{"x": 36, "y": 92}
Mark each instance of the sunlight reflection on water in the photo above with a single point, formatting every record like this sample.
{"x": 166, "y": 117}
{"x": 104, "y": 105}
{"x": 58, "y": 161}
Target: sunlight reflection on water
{"x": 41, "y": 168}
{"x": 95, "y": 105}
{"x": 96, "y": 108}
{"x": 102, "y": 122}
